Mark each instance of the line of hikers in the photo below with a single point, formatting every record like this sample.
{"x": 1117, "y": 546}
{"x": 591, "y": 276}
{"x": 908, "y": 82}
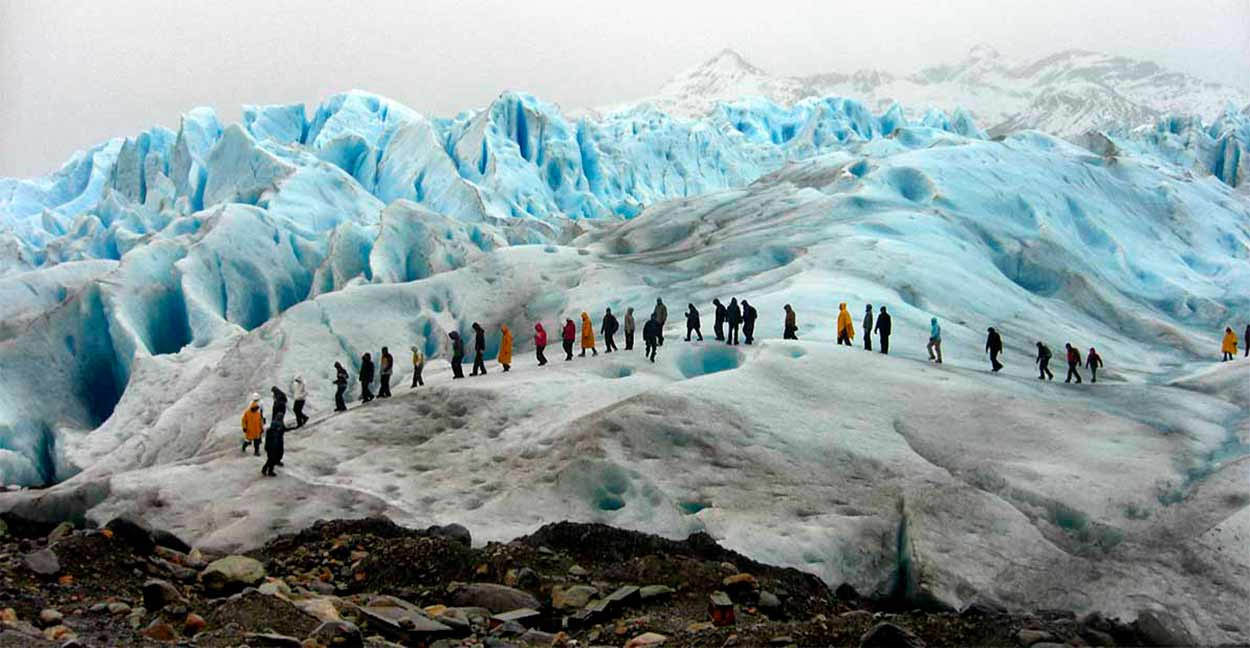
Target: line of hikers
{"x": 254, "y": 424}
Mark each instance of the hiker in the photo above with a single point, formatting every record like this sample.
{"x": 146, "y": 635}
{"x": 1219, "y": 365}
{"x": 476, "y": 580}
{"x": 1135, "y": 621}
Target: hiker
{"x": 1043, "y": 362}
{"x": 651, "y": 336}
{"x": 418, "y": 365}
{"x": 588, "y": 335}
{"x": 1230, "y": 344}
{"x": 366, "y": 378}
{"x": 298, "y": 394}
{"x": 1246, "y": 340}
{"x": 505, "y": 347}
{"x": 846, "y": 328}
{"x": 540, "y": 343}
{"x": 792, "y": 327}
{"x": 935, "y": 340}
{"x": 253, "y": 425}
{"x": 457, "y": 355}
{"x": 883, "y": 330}
{"x": 1074, "y": 363}
{"x": 1092, "y": 362}
{"x": 340, "y": 387}
{"x": 719, "y": 326}
{"x": 868, "y": 328}
{"x": 748, "y": 321}
{"x": 733, "y": 318}
{"x": 479, "y": 350}
{"x": 994, "y": 346}
{"x": 692, "y": 322}
{"x": 570, "y": 334}
{"x": 609, "y": 331}
{"x": 661, "y": 316}
{"x": 273, "y": 436}
{"x": 629, "y": 329}
{"x": 387, "y": 366}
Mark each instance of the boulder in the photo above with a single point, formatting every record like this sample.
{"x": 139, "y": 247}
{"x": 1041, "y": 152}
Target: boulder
{"x": 655, "y": 592}
{"x": 496, "y": 598}
{"x": 338, "y": 634}
{"x": 888, "y": 635}
{"x": 1027, "y": 637}
{"x": 158, "y": 593}
{"x": 160, "y": 631}
{"x": 232, "y": 573}
{"x": 193, "y": 624}
{"x": 132, "y": 534}
{"x": 646, "y": 639}
{"x": 43, "y": 562}
{"x": 272, "y": 639}
{"x": 62, "y": 530}
{"x": 453, "y": 532}
{"x": 50, "y": 617}
{"x": 165, "y": 539}
{"x": 571, "y": 597}
{"x": 1159, "y": 628}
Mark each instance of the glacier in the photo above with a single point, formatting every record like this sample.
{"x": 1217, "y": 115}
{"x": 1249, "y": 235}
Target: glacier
{"x": 154, "y": 282}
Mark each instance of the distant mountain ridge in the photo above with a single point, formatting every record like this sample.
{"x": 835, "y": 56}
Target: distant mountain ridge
{"x": 1067, "y": 93}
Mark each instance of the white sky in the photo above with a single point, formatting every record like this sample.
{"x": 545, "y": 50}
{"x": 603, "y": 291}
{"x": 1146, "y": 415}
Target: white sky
{"x": 73, "y": 72}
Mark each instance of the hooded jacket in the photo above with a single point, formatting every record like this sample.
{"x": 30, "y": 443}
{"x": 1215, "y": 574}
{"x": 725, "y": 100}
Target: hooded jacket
{"x": 418, "y": 358}
{"x": 692, "y": 317}
{"x": 629, "y": 320}
{"x": 935, "y": 331}
{"x": 387, "y": 363}
{"x": 1074, "y": 356}
{"x": 791, "y": 319}
{"x": 660, "y": 312}
{"x": 457, "y": 346}
{"x": 651, "y": 331}
{"x": 588, "y": 332}
{"x": 993, "y": 341}
{"x": 479, "y": 338}
{"x": 845, "y": 326}
{"x": 570, "y": 331}
{"x": 253, "y": 421}
{"x": 540, "y": 336}
{"x": 1092, "y": 359}
{"x": 883, "y": 322}
{"x": 721, "y": 312}
{"x": 1230, "y": 342}
{"x": 505, "y": 345}
{"x": 366, "y": 370}
{"x": 609, "y": 325}
{"x": 733, "y": 314}
{"x": 749, "y": 314}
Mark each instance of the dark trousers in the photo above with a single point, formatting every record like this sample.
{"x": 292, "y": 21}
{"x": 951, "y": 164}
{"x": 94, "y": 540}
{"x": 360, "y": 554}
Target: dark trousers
{"x": 1227, "y": 356}
{"x": 273, "y": 457}
{"x": 610, "y": 343}
{"x": 844, "y": 338}
{"x": 1093, "y": 374}
{"x": 629, "y": 340}
{"x": 366, "y": 392}
{"x": 1072, "y": 371}
{"x": 884, "y": 339}
{"x": 298, "y": 409}
{"x": 255, "y": 443}
{"x": 867, "y": 340}
{"x": 479, "y": 364}
{"x": 748, "y": 331}
{"x": 649, "y": 352}
{"x": 339, "y": 392}
{"x": 732, "y": 337}
{"x": 568, "y": 350}
{"x": 1043, "y": 368}
{"x": 994, "y": 359}
{"x": 457, "y": 368}
{"x": 720, "y": 330}
{"x": 790, "y": 333}
{"x": 695, "y": 330}
{"x": 416, "y": 376}
{"x": 538, "y": 352}
{"x": 385, "y": 390}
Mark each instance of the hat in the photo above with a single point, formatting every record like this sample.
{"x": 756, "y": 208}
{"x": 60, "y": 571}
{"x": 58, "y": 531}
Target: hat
{"x": 255, "y": 396}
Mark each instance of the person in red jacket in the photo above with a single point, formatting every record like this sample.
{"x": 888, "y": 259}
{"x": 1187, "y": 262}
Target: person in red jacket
{"x": 569, "y": 336}
{"x": 540, "y": 343}
{"x": 1074, "y": 364}
{"x": 1092, "y": 362}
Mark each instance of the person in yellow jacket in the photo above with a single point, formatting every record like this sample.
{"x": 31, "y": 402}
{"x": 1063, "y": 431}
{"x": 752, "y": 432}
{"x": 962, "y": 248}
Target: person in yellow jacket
{"x": 846, "y": 328}
{"x": 253, "y": 425}
{"x": 505, "y": 347}
{"x": 1230, "y": 344}
{"x": 588, "y": 335}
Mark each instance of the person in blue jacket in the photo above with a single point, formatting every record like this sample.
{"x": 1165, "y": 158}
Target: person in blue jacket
{"x": 935, "y": 341}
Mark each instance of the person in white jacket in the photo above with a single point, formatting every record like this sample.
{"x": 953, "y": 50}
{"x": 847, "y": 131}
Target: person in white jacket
{"x": 298, "y": 394}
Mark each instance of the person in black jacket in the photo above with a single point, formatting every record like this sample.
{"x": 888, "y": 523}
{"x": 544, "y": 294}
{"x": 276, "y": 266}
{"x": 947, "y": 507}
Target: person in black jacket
{"x": 733, "y": 317}
{"x": 340, "y": 384}
{"x": 719, "y": 326}
{"x": 387, "y": 367}
{"x": 1247, "y": 340}
{"x": 692, "y": 322}
{"x": 1043, "y": 362}
{"x": 273, "y": 436}
{"x": 994, "y": 346}
{"x": 868, "y": 328}
{"x": 608, "y": 329}
{"x": 651, "y": 336}
{"x": 457, "y": 355}
{"x": 748, "y": 321}
{"x": 479, "y": 350}
{"x": 883, "y": 330}
{"x": 366, "y": 378}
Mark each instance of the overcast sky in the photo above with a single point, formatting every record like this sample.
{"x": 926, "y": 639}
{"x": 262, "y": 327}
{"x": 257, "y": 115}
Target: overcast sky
{"x": 73, "y": 73}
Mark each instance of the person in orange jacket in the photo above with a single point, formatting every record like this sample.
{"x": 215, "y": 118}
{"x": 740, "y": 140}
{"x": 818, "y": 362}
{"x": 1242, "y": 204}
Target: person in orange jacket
{"x": 253, "y": 425}
{"x": 588, "y": 335}
{"x": 846, "y": 328}
{"x": 505, "y": 347}
{"x": 1230, "y": 344}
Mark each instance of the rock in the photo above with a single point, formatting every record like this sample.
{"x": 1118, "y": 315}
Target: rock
{"x": 136, "y": 618}
{"x": 272, "y": 639}
{"x": 983, "y": 608}
{"x": 700, "y": 626}
{"x": 132, "y": 534}
{"x": 846, "y": 592}
{"x": 453, "y": 532}
{"x": 193, "y": 624}
{"x": 523, "y": 616}
{"x": 275, "y": 587}
{"x": 646, "y": 639}
{"x": 577, "y": 571}
{"x": 888, "y": 635}
{"x": 162, "y": 538}
{"x": 571, "y": 597}
{"x": 62, "y": 530}
{"x": 43, "y": 562}
{"x": 118, "y": 608}
{"x": 158, "y": 593}
{"x": 655, "y": 592}
{"x": 407, "y": 625}
{"x": 537, "y": 638}
{"x": 160, "y": 631}
{"x": 8, "y": 615}
{"x": 1097, "y": 637}
{"x": 856, "y": 615}
{"x": 338, "y": 634}
{"x": 195, "y": 559}
{"x": 1160, "y": 628}
{"x": 232, "y": 573}
{"x": 496, "y": 598}
{"x": 58, "y": 633}
{"x": 508, "y": 629}
{"x": 50, "y": 617}
{"x": 321, "y": 607}
{"x": 624, "y": 596}
{"x": 781, "y": 641}
{"x": 524, "y": 578}
{"x": 99, "y": 608}
{"x": 1028, "y": 637}
{"x": 738, "y": 580}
